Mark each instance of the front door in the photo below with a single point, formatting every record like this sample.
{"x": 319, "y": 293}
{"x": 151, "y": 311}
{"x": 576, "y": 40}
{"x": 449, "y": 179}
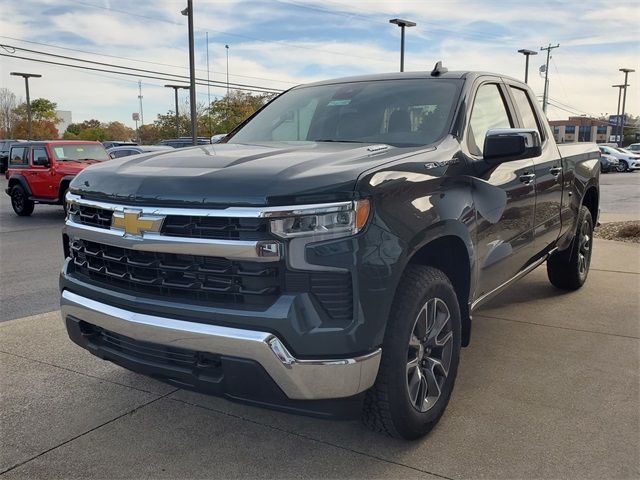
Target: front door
{"x": 40, "y": 179}
{"x": 504, "y": 196}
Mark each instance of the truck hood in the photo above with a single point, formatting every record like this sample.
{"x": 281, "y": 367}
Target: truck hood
{"x": 235, "y": 174}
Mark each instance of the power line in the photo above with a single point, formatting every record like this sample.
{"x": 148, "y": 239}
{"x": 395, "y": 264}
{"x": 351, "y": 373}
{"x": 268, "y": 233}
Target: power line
{"x": 82, "y": 67}
{"x": 66, "y": 57}
{"x": 130, "y": 59}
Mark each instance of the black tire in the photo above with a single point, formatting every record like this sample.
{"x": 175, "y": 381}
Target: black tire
{"x": 388, "y": 406}
{"x": 623, "y": 166}
{"x": 568, "y": 269}
{"x": 20, "y": 201}
{"x": 64, "y": 203}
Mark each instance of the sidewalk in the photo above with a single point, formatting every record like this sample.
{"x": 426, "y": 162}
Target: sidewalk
{"x": 549, "y": 388}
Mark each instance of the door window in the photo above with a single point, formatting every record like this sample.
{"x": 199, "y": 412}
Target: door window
{"x": 527, "y": 113}
{"x": 37, "y": 153}
{"x": 489, "y": 112}
{"x": 18, "y": 157}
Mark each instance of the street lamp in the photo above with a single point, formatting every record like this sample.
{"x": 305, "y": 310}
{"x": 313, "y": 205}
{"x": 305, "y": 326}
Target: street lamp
{"x": 527, "y": 53}
{"x": 626, "y": 72}
{"x": 175, "y": 90}
{"x": 616, "y": 129}
{"x": 26, "y": 77}
{"x": 188, "y": 12}
{"x": 402, "y": 24}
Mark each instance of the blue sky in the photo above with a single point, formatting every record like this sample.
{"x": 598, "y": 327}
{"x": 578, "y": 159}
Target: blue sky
{"x": 281, "y": 43}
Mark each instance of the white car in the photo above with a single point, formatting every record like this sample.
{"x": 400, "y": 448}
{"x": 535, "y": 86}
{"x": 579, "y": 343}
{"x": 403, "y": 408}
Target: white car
{"x": 634, "y": 147}
{"x": 628, "y": 160}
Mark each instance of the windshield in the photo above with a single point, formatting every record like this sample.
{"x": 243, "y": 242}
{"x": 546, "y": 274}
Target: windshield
{"x": 407, "y": 112}
{"x": 79, "y": 152}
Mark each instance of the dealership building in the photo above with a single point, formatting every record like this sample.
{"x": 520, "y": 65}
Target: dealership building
{"x": 581, "y": 129}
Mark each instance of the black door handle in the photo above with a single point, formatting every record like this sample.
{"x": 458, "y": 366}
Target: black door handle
{"x": 527, "y": 177}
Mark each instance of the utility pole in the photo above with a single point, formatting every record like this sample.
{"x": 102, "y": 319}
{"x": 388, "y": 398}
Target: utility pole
{"x": 616, "y": 130}
{"x": 626, "y": 72}
{"x": 208, "y": 88}
{"x": 140, "y": 99}
{"x": 175, "y": 90}
{"x": 402, "y": 24}
{"x": 26, "y": 77}
{"x": 545, "y": 97}
{"x": 227, "y": 48}
{"x": 188, "y": 12}
{"x": 527, "y": 54}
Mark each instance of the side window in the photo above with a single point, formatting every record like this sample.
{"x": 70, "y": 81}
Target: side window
{"x": 37, "y": 153}
{"x": 122, "y": 153}
{"x": 18, "y": 157}
{"x": 523, "y": 104}
{"x": 489, "y": 112}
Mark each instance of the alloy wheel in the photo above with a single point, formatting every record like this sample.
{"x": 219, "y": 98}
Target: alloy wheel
{"x": 429, "y": 354}
{"x": 584, "y": 248}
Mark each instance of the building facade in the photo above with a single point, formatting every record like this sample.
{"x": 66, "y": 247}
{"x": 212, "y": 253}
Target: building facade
{"x": 581, "y": 129}
{"x": 65, "y": 121}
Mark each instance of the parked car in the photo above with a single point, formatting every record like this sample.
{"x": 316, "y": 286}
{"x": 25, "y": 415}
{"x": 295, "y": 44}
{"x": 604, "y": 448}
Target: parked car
{"x": 5, "y": 146}
{"x": 628, "y": 161}
{"x": 40, "y": 172}
{"x": 327, "y": 258}
{"x": 634, "y": 147}
{"x": 609, "y": 163}
{"x": 184, "y": 142}
{"x": 125, "y": 151}
{"x": 113, "y": 143}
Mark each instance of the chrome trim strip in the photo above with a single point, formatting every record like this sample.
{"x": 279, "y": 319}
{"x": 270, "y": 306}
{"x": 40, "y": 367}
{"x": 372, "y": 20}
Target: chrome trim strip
{"x": 255, "y": 251}
{"x": 298, "y": 379}
{"x": 239, "y": 212}
{"x": 489, "y": 295}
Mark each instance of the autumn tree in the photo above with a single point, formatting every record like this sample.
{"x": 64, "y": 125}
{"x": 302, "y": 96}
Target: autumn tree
{"x": 8, "y": 117}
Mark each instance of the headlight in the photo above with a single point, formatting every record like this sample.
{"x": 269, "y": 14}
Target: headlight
{"x": 339, "y": 219}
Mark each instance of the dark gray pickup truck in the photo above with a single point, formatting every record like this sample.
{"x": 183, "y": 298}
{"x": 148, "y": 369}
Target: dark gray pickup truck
{"x": 327, "y": 258}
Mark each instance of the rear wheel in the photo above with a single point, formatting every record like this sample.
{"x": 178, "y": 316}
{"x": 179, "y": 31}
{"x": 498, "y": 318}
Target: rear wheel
{"x": 20, "y": 201}
{"x": 568, "y": 269}
{"x": 420, "y": 356}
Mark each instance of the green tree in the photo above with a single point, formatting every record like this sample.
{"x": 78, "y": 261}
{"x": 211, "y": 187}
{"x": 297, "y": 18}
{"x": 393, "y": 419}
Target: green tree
{"x": 41, "y": 110}
{"x": 228, "y": 112}
{"x": 95, "y": 133}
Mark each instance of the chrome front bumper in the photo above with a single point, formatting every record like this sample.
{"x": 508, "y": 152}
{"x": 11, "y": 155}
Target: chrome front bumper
{"x": 298, "y": 379}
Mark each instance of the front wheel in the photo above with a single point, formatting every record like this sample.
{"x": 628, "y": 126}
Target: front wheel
{"x": 622, "y": 166}
{"x": 20, "y": 202}
{"x": 420, "y": 356}
{"x": 568, "y": 269}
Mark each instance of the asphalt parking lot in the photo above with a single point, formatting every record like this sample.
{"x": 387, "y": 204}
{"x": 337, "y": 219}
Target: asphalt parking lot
{"x": 549, "y": 388}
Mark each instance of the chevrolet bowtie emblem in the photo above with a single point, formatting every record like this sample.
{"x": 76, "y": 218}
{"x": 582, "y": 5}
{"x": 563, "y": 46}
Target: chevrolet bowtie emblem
{"x": 133, "y": 222}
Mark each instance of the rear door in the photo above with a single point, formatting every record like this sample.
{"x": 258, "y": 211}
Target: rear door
{"x": 548, "y": 169}
{"x": 504, "y": 195}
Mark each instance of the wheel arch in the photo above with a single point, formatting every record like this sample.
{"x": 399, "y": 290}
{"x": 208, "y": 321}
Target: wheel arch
{"x": 64, "y": 185}
{"x": 19, "y": 180}
{"x": 449, "y": 248}
{"x": 591, "y": 200}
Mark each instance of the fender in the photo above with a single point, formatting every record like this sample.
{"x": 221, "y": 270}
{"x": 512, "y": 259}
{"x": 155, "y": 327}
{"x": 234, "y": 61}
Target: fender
{"x": 64, "y": 184}
{"x": 17, "y": 178}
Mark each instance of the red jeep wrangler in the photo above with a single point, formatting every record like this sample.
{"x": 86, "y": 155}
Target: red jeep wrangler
{"x": 40, "y": 172}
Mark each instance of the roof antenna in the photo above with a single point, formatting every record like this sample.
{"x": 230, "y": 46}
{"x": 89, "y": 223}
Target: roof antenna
{"x": 438, "y": 69}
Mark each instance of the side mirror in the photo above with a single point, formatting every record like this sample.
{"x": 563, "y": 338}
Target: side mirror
{"x": 508, "y": 144}
{"x": 41, "y": 162}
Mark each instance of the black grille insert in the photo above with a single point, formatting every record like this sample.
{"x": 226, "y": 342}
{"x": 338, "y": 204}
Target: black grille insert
{"x": 181, "y": 277}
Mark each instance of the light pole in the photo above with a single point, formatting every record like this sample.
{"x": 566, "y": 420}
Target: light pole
{"x": 26, "y": 77}
{"x": 626, "y": 72}
{"x": 616, "y": 130}
{"x": 175, "y": 90}
{"x": 527, "y": 54}
{"x": 402, "y": 24}
{"x": 188, "y": 12}
{"x": 227, "y": 49}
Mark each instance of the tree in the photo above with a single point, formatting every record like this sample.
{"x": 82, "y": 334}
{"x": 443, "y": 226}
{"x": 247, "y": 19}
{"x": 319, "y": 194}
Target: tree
{"x": 40, "y": 130}
{"x": 95, "y": 133}
{"x": 149, "y": 134}
{"x": 8, "y": 118}
{"x": 119, "y": 131}
{"x": 41, "y": 109}
{"x": 228, "y": 112}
